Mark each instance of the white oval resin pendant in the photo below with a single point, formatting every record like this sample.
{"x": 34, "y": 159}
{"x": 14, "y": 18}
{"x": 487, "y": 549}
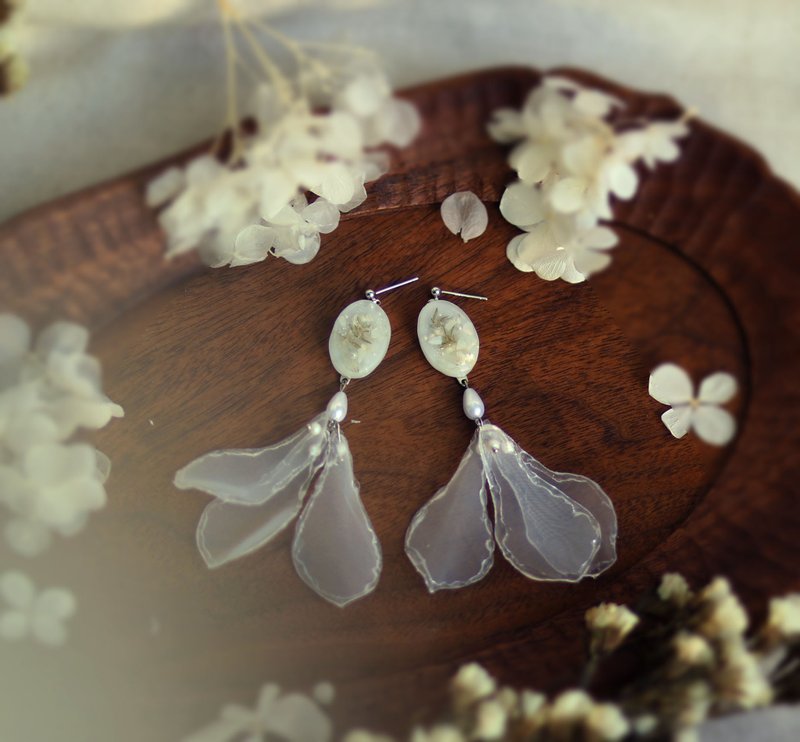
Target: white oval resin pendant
{"x": 359, "y": 339}
{"x": 448, "y": 338}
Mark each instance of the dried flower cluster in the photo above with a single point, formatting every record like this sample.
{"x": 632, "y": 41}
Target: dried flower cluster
{"x": 694, "y": 661}
{"x": 255, "y": 203}
{"x": 572, "y": 153}
{"x": 700, "y": 411}
{"x": 48, "y": 391}
{"x": 13, "y": 68}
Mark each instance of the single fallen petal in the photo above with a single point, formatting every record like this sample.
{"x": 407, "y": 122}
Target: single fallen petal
{"x": 335, "y": 550}
{"x": 670, "y": 384}
{"x": 464, "y": 212}
{"x": 450, "y": 540}
{"x": 714, "y": 425}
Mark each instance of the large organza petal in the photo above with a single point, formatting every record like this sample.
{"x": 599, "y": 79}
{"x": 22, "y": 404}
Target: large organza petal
{"x": 450, "y": 539}
{"x": 336, "y": 551}
{"x": 590, "y": 495}
{"x": 252, "y": 476}
{"x": 544, "y": 533}
{"x": 229, "y": 530}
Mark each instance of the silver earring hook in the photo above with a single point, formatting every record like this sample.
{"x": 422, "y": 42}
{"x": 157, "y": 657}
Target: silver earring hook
{"x": 436, "y": 292}
{"x": 373, "y": 295}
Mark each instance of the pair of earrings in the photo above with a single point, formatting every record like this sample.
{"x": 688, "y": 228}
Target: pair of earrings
{"x": 548, "y": 525}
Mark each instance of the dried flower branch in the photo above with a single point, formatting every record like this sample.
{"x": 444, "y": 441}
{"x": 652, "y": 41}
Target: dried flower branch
{"x": 572, "y": 156}
{"x": 252, "y": 202}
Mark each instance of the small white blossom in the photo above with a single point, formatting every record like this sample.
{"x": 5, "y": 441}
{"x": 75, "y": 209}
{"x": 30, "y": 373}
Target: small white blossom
{"x": 723, "y": 616}
{"x": 607, "y": 722}
{"x": 674, "y": 589}
{"x": 491, "y": 718}
{"x": 28, "y": 613}
{"x": 692, "y": 649}
{"x": 472, "y": 683}
{"x": 464, "y": 213}
{"x": 292, "y": 717}
{"x": 671, "y": 385}
{"x": 609, "y": 624}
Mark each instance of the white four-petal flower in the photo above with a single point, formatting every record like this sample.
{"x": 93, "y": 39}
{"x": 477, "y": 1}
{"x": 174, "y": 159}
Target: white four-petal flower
{"x": 28, "y": 613}
{"x": 671, "y": 385}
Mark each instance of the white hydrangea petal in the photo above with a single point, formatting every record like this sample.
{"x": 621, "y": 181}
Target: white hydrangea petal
{"x": 48, "y": 629}
{"x": 62, "y": 337}
{"x": 523, "y": 205}
{"x": 359, "y": 197}
{"x": 678, "y": 420}
{"x": 252, "y": 245}
{"x": 568, "y": 195}
{"x": 506, "y": 126}
{"x": 713, "y": 424}
{"x": 551, "y": 266}
{"x": 595, "y": 103}
{"x": 717, "y": 388}
{"x": 296, "y": 717}
{"x": 670, "y": 384}
{"x": 15, "y": 338}
{"x": 14, "y": 625}
{"x": 55, "y": 464}
{"x": 322, "y": 214}
{"x": 584, "y": 156}
{"x": 512, "y": 253}
{"x": 336, "y": 184}
{"x": 297, "y": 248}
{"x": 401, "y": 122}
{"x": 375, "y": 164}
{"x": 342, "y": 135}
{"x": 56, "y": 602}
{"x": 622, "y": 180}
{"x": 464, "y": 212}
{"x": 365, "y": 94}
{"x": 102, "y": 466}
{"x": 17, "y": 589}
{"x": 532, "y": 161}
{"x": 588, "y": 262}
{"x": 164, "y": 187}
{"x": 277, "y": 189}
{"x": 202, "y": 170}
{"x": 572, "y": 274}
{"x": 29, "y": 538}
{"x": 24, "y": 431}
{"x": 537, "y": 244}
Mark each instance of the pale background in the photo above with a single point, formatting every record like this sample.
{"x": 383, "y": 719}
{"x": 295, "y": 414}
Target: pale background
{"x": 116, "y": 85}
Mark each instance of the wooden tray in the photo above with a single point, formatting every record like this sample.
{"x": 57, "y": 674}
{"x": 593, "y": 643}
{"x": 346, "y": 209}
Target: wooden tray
{"x": 706, "y": 275}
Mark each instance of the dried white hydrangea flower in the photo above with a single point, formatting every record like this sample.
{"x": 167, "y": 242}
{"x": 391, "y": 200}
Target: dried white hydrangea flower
{"x": 28, "y": 613}
{"x": 48, "y": 390}
{"x": 463, "y": 212}
{"x": 671, "y": 385}
{"x": 255, "y": 204}
{"x": 571, "y": 160}
{"x": 293, "y": 717}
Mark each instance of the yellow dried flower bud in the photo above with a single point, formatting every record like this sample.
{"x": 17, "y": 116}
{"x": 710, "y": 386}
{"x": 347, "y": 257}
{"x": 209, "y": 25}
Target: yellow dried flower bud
{"x": 607, "y": 723}
{"x": 674, "y": 589}
{"x": 490, "y": 720}
{"x": 723, "y": 616}
{"x": 784, "y": 616}
{"x": 472, "y": 683}
{"x": 609, "y": 624}
{"x": 692, "y": 650}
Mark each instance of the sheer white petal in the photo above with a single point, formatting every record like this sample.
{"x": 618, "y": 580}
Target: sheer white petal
{"x": 336, "y": 550}
{"x": 450, "y": 540}
{"x": 544, "y": 533}
{"x": 568, "y": 195}
{"x": 522, "y": 205}
{"x": 714, "y": 425}
{"x": 17, "y": 589}
{"x": 323, "y": 215}
{"x": 512, "y": 253}
{"x": 252, "y": 476}
{"x": 296, "y": 717}
{"x": 670, "y": 384}
{"x": 718, "y": 388}
{"x": 678, "y": 420}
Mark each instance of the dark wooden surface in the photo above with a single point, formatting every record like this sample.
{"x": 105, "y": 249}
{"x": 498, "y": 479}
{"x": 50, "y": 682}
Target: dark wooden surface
{"x": 706, "y": 275}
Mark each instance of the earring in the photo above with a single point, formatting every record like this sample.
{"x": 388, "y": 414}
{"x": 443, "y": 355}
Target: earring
{"x": 258, "y": 492}
{"x": 549, "y": 525}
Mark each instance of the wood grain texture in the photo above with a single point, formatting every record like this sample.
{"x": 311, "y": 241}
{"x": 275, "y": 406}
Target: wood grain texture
{"x": 706, "y": 275}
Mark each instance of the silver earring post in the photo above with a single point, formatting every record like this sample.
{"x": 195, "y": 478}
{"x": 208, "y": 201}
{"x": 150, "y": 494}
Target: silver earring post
{"x": 436, "y": 292}
{"x": 373, "y": 295}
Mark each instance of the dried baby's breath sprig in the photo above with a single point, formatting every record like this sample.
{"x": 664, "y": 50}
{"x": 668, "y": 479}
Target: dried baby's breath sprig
{"x": 608, "y": 625}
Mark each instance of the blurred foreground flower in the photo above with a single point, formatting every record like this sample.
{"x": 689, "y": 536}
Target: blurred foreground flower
{"x": 49, "y": 390}
{"x": 28, "y": 613}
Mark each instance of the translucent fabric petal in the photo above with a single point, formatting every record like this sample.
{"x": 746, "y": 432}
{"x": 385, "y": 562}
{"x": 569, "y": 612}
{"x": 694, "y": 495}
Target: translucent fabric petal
{"x": 336, "y": 550}
{"x": 450, "y": 539}
{"x": 229, "y": 530}
{"x": 252, "y": 476}
{"x": 544, "y": 533}
{"x": 590, "y": 495}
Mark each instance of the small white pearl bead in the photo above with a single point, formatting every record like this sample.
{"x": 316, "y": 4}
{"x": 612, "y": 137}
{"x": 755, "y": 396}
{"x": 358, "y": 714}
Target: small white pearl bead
{"x": 473, "y": 404}
{"x": 337, "y": 407}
